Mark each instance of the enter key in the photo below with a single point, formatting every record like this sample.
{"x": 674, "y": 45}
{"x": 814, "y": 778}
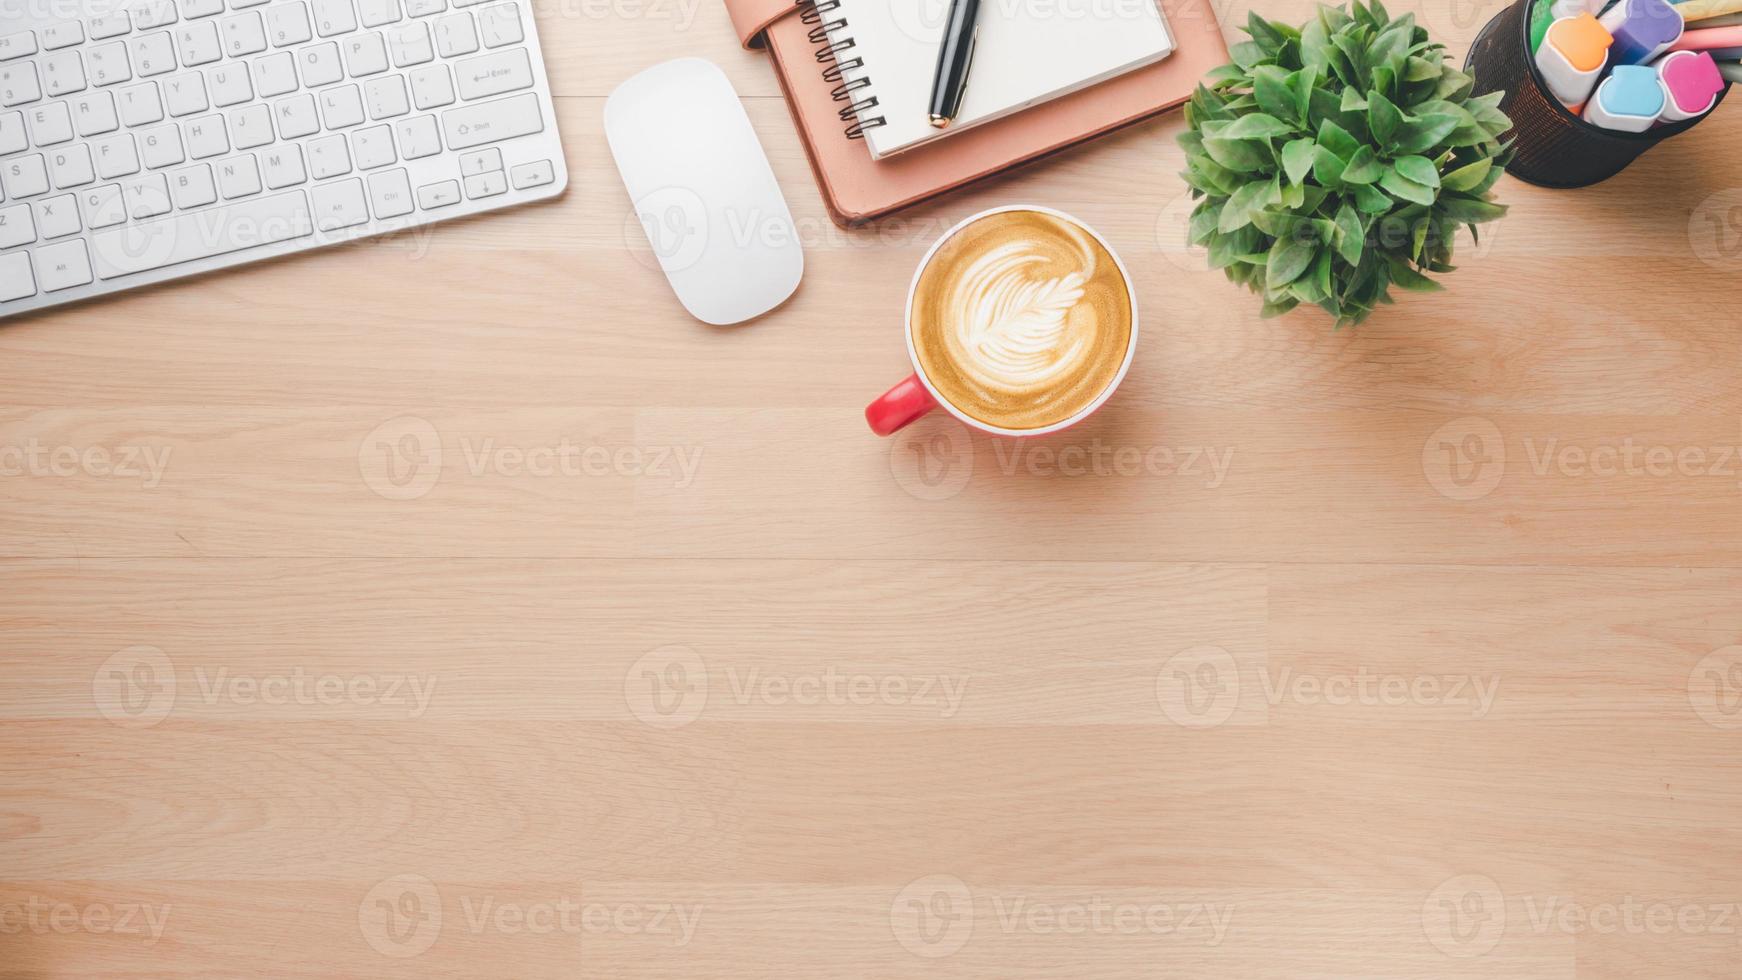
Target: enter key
{"x": 493, "y": 74}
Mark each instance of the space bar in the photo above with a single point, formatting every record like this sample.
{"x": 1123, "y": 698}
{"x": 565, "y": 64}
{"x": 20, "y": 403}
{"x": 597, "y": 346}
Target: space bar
{"x": 146, "y": 245}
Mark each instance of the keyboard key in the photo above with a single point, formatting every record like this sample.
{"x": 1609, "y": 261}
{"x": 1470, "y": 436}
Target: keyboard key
{"x": 320, "y": 64}
{"x": 372, "y": 147}
{"x": 423, "y": 8}
{"x": 287, "y": 24}
{"x": 161, "y": 146}
{"x": 418, "y": 137}
{"x": 455, "y": 34}
{"x": 185, "y": 94}
{"x": 334, "y": 17}
{"x": 375, "y": 13}
{"x": 16, "y": 226}
{"x": 17, "y": 45}
{"x": 390, "y": 193}
{"x": 63, "y": 265}
{"x": 201, "y": 8}
{"x": 12, "y": 137}
{"x": 239, "y": 177}
{"x": 50, "y": 123}
{"x": 386, "y": 97}
{"x": 340, "y": 205}
{"x": 154, "y": 13}
{"x": 489, "y": 122}
{"x": 147, "y": 196}
{"x": 282, "y": 166}
{"x": 493, "y": 74}
{"x": 109, "y": 25}
{"x": 431, "y": 87}
{"x": 141, "y": 104}
{"x": 500, "y": 25}
{"x": 251, "y": 126}
{"x": 70, "y": 166}
{"x": 63, "y": 73}
{"x": 296, "y": 116}
{"x": 18, "y": 84}
{"x": 409, "y": 44}
{"x": 341, "y": 107}
{"x": 95, "y": 113}
{"x": 102, "y": 206}
{"x": 486, "y": 185}
{"x": 480, "y": 162}
{"x": 365, "y": 54}
{"x": 57, "y": 216}
{"x": 275, "y": 74}
{"x": 116, "y": 156}
{"x": 184, "y": 238}
{"x": 62, "y": 35}
{"x": 153, "y": 54}
{"x": 438, "y": 195}
{"x": 206, "y": 137}
{"x": 244, "y": 33}
{"x": 24, "y": 176}
{"x": 229, "y": 84}
{"x": 16, "y": 282}
{"x": 192, "y": 187}
{"x": 107, "y": 63}
{"x": 328, "y": 157}
{"x": 198, "y": 43}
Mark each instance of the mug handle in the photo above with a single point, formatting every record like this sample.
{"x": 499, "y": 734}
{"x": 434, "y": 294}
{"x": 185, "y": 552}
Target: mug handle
{"x": 900, "y": 406}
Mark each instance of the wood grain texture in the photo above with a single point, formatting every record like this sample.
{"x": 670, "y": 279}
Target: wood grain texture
{"x": 451, "y": 605}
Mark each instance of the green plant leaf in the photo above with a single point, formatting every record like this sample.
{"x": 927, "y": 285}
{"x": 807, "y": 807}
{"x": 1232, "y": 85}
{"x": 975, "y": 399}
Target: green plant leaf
{"x": 1383, "y": 118}
{"x": 1338, "y": 140}
{"x": 1275, "y": 308}
{"x": 1248, "y": 54}
{"x": 1469, "y": 176}
{"x": 1469, "y": 210}
{"x": 1351, "y": 236}
{"x": 1404, "y": 189}
{"x": 1418, "y": 69}
{"x": 1224, "y": 75}
{"x": 1364, "y": 167}
{"x": 1288, "y": 259}
{"x": 1257, "y": 125}
{"x": 1354, "y": 101}
{"x": 1407, "y": 278}
{"x": 1270, "y": 88}
{"x": 1419, "y": 169}
{"x": 1240, "y": 156}
{"x": 1423, "y": 134}
{"x": 1297, "y": 159}
{"x": 1327, "y": 167}
{"x": 1371, "y": 200}
{"x": 1237, "y": 213}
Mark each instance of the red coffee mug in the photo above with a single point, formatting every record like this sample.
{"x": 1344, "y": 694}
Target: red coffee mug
{"x": 914, "y": 397}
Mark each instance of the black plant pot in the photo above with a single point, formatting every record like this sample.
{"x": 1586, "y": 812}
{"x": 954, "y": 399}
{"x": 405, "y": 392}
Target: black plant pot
{"x": 1555, "y": 147}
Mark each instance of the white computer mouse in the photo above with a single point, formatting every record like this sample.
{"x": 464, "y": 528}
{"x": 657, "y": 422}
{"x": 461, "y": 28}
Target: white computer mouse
{"x": 703, "y": 191}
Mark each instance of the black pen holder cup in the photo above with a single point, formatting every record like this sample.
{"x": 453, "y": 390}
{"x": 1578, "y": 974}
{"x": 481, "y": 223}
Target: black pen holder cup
{"x": 1555, "y": 147}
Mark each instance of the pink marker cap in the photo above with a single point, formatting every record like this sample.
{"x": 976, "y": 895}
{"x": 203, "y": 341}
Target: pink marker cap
{"x": 1691, "y": 83}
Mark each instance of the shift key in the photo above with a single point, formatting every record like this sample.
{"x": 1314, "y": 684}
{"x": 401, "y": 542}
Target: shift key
{"x": 488, "y": 122}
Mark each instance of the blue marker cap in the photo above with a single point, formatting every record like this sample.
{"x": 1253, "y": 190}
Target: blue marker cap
{"x": 1628, "y": 101}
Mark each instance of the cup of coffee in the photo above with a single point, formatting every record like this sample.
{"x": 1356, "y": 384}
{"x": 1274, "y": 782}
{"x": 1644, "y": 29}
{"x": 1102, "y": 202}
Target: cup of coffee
{"x": 1020, "y": 322}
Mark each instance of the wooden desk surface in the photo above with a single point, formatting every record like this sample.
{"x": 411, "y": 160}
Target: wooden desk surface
{"x": 454, "y": 606}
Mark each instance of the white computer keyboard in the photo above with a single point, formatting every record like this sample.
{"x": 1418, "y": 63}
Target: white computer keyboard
{"x": 154, "y": 139}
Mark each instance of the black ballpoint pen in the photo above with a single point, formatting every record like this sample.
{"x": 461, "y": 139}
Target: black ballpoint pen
{"x": 955, "y": 57}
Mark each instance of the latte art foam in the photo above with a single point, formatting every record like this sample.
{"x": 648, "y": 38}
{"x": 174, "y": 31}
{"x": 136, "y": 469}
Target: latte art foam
{"x": 1021, "y": 320}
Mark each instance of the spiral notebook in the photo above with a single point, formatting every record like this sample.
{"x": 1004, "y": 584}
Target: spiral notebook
{"x": 1025, "y": 53}
{"x": 858, "y": 189}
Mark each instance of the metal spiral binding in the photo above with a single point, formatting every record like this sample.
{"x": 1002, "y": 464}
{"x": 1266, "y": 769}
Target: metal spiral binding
{"x": 833, "y": 56}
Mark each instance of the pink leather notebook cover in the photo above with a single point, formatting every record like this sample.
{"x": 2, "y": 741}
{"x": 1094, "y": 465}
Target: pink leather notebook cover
{"x": 858, "y": 189}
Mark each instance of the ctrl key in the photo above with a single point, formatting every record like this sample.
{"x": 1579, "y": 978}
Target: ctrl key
{"x": 16, "y": 282}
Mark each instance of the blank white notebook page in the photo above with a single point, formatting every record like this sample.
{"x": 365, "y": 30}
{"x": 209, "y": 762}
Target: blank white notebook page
{"x": 1028, "y": 52}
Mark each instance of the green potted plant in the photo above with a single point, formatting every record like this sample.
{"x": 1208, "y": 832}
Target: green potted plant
{"x": 1338, "y": 160}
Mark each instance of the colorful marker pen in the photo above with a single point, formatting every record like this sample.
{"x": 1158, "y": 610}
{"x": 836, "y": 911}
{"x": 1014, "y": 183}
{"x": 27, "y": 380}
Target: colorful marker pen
{"x": 1628, "y": 101}
{"x": 1643, "y": 29}
{"x": 1572, "y": 58}
{"x": 1691, "y": 84}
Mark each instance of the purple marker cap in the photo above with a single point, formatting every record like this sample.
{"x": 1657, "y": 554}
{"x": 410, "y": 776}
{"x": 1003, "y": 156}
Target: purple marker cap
{"x": 1643, "y": 29}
